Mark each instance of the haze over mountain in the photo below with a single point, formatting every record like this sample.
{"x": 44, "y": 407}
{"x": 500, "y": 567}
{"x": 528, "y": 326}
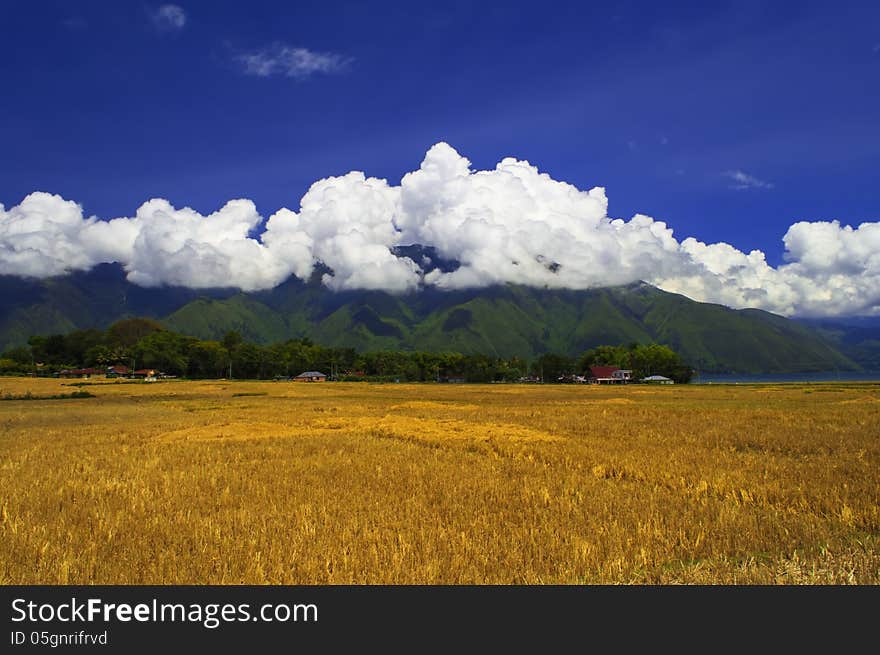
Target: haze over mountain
{"x": 503, "y": 319}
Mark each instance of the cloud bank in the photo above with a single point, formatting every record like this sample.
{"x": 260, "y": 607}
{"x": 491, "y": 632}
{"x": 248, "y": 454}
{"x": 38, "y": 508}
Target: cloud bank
{"x": 512, "y": 224}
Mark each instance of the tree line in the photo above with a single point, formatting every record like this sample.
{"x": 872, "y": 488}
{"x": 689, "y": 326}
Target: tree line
{"x": 141, "y": 343}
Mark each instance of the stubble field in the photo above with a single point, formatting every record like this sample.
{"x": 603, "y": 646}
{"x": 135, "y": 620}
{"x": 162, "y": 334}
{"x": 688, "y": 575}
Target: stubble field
{"x": 222, "y": 482}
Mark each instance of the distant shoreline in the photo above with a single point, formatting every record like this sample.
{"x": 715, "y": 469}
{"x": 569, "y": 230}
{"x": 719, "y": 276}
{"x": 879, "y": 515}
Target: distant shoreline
{"x": 818, "y": 376}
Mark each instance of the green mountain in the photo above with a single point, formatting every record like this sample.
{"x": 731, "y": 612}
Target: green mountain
{"x": 858, "y": 338}
{"x": 504, "y": 320}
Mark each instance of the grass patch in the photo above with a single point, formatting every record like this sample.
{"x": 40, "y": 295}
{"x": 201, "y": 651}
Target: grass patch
{"x": 58, "y": 396}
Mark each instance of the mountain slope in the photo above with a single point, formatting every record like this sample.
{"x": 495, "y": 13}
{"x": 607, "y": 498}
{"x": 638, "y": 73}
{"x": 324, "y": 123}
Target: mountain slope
{"x": 857, "y": 338}
{"x": 211, "y": 319}
{"x": 504, "y": 320}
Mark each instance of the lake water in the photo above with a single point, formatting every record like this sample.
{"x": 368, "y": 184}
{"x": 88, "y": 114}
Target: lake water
{"x": 819, "y": 376}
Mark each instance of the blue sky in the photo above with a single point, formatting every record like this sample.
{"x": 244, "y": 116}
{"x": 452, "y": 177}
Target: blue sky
{"x": 728, "y": 120}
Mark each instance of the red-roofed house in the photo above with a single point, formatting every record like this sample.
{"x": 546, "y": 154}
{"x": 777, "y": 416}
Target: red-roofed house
{"x": 78, "y": 372}
{"x": 602, "y": 374}
{"x": 148, "y": 374}
{"x": 609, "y": 375}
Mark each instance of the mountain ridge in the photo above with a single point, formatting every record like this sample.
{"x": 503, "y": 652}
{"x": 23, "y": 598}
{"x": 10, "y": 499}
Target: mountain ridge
{"x": 504, "y": 320}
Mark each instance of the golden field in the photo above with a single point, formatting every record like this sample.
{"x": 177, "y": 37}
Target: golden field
{"x": 218, "y": 482}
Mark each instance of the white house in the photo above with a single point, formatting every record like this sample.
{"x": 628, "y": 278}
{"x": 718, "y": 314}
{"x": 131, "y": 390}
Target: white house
{"x": 657, "y": 379}
{"x": 622, "y": 375}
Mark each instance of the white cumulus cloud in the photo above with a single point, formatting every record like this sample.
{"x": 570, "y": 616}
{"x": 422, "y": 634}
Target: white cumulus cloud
{"x": 515, "y": 224}
{"x": 181, "y": 247}
{"x": 510, "y": 224}
{"x": 348, "y": 223}
{"x": 43, "y": 236}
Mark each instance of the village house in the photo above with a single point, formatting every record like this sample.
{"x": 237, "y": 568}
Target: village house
{"x": 117, "y": 371}
{"x": 622, "y": 375}
{"x": 311, "y": 376}
{"x": 78, "y": 372}
{"x": 609, "y": 375}
{"x": 657, "y": 379}
{"x": 146, "y": 374}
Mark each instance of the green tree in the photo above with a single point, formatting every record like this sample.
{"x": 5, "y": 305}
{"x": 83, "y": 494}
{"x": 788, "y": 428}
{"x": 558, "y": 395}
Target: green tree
{"x": 207, "y": 359}
{"x": 104, "y": 355}
{"x": 129, "y": 331}
{"x": 232, "y": 340}
{"x": 552, "y": 366}
{"x": 511, "y": 370}
{"x": 619, "y": 356}
{"x": 164, "y": 351}
{"x": 428, "y": 366}
{"x": 78, "y": 343}
{"x": 656, "y": 359}
{"x": 20, "y": 355}
{"x": 250, "y": 361}
{"x": 8, "y": 366}
{"x": 642, "y": 359}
